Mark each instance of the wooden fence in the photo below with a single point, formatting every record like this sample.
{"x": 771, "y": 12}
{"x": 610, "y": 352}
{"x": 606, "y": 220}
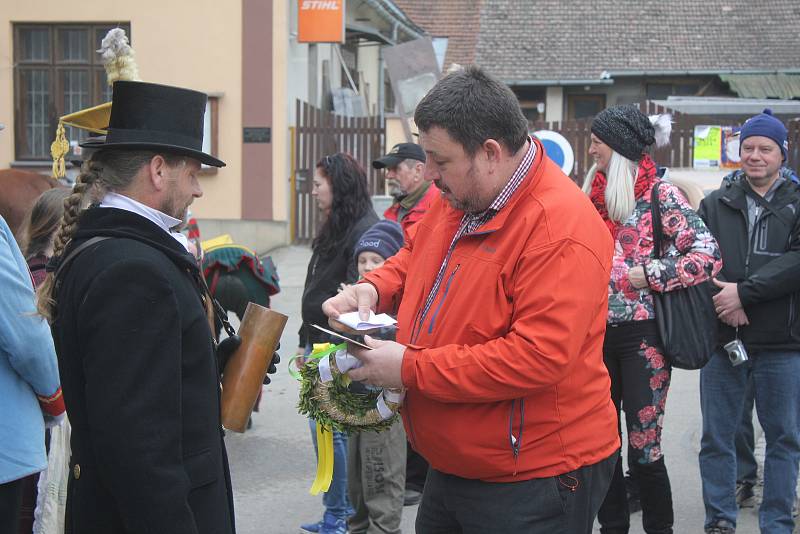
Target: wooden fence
{"x": 679, "y": 153}
{"x": 319, "y": 133}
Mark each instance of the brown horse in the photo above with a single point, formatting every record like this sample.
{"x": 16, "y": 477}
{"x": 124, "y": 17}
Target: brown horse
{"x": 18, "y": 192}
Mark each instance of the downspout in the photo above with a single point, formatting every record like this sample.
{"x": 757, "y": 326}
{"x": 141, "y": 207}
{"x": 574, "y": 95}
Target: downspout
{"x": 381, "y": 84}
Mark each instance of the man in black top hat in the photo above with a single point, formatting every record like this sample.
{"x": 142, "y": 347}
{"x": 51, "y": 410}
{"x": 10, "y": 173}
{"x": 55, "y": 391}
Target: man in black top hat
{"x": 413, "y": 195}
{"x": 129, "y": 316}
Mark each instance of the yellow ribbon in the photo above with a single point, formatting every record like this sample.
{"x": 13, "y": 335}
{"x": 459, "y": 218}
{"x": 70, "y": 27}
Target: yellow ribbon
{"x": 324, "y": 461}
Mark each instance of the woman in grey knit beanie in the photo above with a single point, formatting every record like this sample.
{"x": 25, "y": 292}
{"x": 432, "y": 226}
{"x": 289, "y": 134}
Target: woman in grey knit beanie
{"x": 620, "y": 185}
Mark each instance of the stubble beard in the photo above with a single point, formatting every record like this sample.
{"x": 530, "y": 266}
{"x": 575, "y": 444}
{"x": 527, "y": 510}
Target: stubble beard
{"x": 174, "y": 208}
{"x": 471, "y": 202}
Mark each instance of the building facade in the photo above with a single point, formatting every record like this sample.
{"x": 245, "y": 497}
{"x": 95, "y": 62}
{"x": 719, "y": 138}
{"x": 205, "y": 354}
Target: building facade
{"x": 244, "y": 54}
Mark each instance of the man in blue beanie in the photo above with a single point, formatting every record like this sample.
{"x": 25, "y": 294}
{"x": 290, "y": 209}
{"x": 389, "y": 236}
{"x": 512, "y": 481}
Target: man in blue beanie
{"x": 754, "y": 217}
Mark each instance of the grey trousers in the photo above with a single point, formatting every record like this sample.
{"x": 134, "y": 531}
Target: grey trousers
{"x": 376, "y": 465}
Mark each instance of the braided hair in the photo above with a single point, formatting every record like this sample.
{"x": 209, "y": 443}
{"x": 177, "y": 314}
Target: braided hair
{"x": 106, "y": 171}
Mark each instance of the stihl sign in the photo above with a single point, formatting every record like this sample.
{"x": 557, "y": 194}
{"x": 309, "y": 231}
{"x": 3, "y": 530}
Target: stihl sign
{"x": 320, "y": 21}
{"x": 320, "y": 4}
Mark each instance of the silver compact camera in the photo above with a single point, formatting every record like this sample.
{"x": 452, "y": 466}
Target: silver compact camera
{"x": 737, "y": 354}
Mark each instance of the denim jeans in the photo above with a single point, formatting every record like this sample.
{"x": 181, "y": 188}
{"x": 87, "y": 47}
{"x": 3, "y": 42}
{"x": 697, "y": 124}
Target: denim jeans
{"x": 746, "y": 464}
{"x": 776, "y": 382}
{"x": 336, "y": 499}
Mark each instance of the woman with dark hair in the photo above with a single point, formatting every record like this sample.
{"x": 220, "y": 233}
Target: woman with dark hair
{"x": 340, "y": 189}
{"x": 622, "y": 184}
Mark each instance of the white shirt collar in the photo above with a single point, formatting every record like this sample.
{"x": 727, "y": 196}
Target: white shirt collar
{"x": 160, "y": 219}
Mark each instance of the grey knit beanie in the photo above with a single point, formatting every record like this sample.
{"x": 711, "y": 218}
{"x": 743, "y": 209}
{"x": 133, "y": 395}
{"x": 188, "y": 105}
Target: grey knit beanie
{"x": 625, "y": 129}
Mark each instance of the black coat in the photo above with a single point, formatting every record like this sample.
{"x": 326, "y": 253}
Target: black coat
{"x": 766, "y": 267}
{"x": 140, "y": 381}
{"x": 324, "y": 274}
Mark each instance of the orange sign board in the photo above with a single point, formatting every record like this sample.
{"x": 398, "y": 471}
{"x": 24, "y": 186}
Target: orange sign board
{"x": 320, "y": 21}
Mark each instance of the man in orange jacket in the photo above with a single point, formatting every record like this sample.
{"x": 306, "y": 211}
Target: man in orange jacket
{"x": 501, "y": 297}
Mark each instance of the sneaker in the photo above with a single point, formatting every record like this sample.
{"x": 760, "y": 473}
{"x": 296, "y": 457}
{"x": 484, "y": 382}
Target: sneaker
{"x": 721, "y": 527}
{"x": 745, "y": 495}
{"x": 412, "y": 497}
{"x": 335, "y": 526}
{"x": 314, "y": 528}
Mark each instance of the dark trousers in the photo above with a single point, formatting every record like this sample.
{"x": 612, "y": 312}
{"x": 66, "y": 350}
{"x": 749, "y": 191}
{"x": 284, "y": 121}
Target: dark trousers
{"x": 564, "y": 504}
{"x": 640, "y": 377}
{"x": 10, "y": 505}
{"x": 416, "y": 469}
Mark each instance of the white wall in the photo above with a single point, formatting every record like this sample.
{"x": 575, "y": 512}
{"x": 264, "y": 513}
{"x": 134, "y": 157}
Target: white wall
{"x": 554, "y": 104}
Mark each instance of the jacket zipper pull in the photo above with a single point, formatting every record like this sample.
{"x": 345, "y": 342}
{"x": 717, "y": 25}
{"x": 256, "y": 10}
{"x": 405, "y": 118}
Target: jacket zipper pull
{"x": 515, "y": 451}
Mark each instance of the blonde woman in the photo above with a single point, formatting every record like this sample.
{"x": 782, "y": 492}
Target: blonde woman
{"x": 620, "y": 185}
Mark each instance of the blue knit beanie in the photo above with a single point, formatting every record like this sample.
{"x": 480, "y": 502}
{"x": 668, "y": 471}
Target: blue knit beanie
{"x": 766, "y": 125}
{"x": 385, "y": 238}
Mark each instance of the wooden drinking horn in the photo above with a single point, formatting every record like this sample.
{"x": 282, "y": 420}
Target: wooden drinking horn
{"x": 244, "y": 373}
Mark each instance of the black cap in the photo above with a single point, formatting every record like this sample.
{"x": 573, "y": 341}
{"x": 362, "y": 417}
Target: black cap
{"x": 398, "y": 153}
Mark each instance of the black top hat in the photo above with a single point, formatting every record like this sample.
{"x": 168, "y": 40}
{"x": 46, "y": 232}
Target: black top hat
{"x": 149, "y": 116}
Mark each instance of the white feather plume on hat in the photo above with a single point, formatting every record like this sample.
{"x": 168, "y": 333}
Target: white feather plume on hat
{"x": 120, "y": 64}
{"x": 118, "y": 57}
{"x": 663, "y": 126}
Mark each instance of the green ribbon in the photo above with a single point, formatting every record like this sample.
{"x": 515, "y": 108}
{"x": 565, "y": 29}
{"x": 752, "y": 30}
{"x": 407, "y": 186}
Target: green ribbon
{"x": 320, "y": 350}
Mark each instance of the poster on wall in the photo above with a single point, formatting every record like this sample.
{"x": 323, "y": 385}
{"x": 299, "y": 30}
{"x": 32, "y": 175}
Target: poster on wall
{"x": 730, "y": 148}
{"x": 320, "y": 21}
{"x": 707, "y": 146}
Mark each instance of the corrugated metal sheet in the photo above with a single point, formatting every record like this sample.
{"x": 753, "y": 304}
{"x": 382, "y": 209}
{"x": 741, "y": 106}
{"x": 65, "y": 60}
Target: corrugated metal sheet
{"x": 785, "y": 86}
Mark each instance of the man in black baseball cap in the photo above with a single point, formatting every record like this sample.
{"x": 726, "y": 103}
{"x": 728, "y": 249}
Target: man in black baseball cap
{"x": 413, "y": 195}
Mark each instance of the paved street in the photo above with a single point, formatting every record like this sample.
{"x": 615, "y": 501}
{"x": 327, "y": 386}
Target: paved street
{"x": 273, "y": 464}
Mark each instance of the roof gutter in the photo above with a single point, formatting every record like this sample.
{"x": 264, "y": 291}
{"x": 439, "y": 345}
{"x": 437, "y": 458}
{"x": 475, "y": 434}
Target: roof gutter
{"x": 374, "y": 35}
{"x": 598, "y": 81}
{"x": 398, "y": 18}
{"x": 717, "y": 72}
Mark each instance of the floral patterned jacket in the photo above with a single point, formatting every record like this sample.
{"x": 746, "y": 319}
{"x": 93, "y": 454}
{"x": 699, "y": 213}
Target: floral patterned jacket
{"x": 690, "y": 254}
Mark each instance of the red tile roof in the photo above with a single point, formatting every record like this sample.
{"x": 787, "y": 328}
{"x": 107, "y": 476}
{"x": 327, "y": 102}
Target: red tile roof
{"x": 458, "y": 20}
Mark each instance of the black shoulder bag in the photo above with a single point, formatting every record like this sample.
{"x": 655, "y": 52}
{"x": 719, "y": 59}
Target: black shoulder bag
{"x": 686, "y": 318}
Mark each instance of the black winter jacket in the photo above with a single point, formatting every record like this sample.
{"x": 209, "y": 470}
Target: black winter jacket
{"x": 766, "y": 267}
{"x": 139, "y": 376}
{"x": 323, "y": 277}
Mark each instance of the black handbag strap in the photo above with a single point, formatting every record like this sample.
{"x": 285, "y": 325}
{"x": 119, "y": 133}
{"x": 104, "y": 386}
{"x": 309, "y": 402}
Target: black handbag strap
{"x": 764, "y": 203}
{"x": 655, "y": 216}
